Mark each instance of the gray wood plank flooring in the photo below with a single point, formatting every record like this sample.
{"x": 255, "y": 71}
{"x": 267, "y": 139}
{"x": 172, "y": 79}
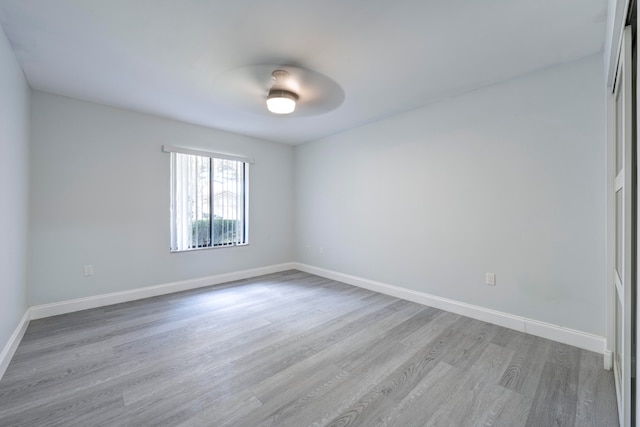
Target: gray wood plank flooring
{"x": 292, "y": 349}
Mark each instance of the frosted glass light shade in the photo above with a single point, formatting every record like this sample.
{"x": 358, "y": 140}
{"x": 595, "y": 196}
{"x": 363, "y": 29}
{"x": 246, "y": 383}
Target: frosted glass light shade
{"x": 281, "y": 101}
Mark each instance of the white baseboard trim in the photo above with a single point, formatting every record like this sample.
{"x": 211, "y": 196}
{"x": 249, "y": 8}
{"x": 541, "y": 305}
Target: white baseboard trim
{"x": 557, "y": 333}
{"x": 608, "y": 360}
{"x": 14, "y": 341}
{"x": 568, "y": 336}
{"x": 70, "y": 306}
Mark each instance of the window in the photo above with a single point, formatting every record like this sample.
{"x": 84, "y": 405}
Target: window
{"x": 209, "y": 199}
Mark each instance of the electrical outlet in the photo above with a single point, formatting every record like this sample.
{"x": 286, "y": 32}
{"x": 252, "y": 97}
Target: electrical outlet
{"x": 88, "y": 270}
{"x": 490, "y": 279}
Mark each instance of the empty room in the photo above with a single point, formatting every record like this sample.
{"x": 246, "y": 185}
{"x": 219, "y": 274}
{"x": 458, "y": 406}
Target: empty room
{"x": 330, "y": 213}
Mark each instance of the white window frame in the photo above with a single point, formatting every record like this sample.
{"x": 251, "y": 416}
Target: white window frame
{"x": 176, "y": 244}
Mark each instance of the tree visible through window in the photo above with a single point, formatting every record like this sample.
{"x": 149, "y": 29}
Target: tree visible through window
{"x": 208, "y": 202}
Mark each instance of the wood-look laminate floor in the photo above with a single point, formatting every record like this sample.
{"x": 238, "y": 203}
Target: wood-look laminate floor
{"x": 293, "y": 349}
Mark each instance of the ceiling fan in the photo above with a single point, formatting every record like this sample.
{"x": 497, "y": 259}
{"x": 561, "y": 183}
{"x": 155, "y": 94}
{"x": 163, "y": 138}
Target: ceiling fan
{"x": 276, "y": 89}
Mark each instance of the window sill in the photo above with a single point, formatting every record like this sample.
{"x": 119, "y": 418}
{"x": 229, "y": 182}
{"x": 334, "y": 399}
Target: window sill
{"x": 208, "y": 248}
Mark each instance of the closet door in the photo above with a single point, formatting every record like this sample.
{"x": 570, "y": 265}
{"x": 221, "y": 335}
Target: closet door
{"x": 624, "y": 242}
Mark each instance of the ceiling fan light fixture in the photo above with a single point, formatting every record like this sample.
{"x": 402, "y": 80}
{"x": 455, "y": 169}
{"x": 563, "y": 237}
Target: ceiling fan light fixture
{"x": 281, "y": 101}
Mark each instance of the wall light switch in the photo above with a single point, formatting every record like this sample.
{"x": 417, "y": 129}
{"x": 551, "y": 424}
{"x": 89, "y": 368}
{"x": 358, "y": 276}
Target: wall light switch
{"x": 88, "y": 270}
{"x": 490, "y": 279}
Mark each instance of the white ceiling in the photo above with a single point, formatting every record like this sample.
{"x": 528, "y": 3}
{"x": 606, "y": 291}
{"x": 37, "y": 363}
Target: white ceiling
{"x": 174, "y": 58}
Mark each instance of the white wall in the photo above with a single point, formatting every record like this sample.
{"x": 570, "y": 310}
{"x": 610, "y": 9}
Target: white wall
{"x": 508, "y": 179}
{"x": 14, "y": 189}
{"x": 100, "y": 196}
